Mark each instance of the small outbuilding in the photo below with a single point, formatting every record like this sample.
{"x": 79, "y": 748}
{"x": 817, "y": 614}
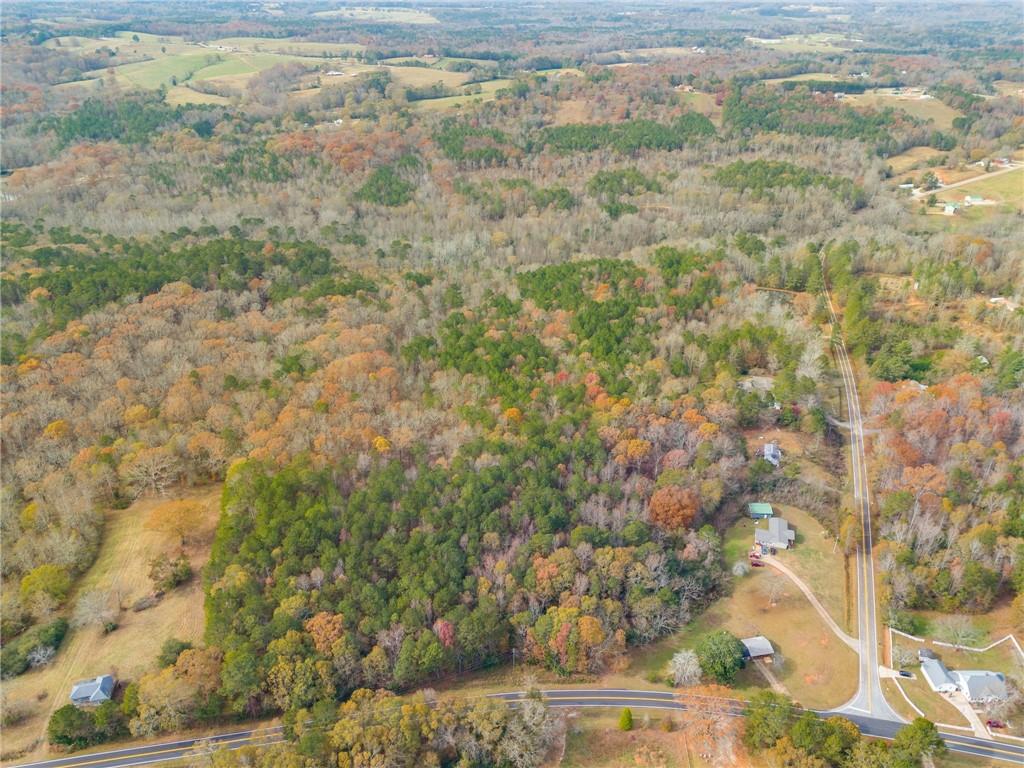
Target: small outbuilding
{"x": 758, "y": 647}
{"x": 778, "y": 534}
{"x": 772, "y": 453}
{"x": 759, "y": 510}
{"x": 91, "y": 692}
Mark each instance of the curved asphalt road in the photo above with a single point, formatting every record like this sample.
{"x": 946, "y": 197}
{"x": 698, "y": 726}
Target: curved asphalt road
{"x": 572, "y": 698}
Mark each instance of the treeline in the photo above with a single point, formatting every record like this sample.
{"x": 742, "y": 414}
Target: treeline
{"x": 787, "y": 737}
{"x": 760, "y": 176}
{"x": 627, "y": 137}
{"x": 129, "y": 120}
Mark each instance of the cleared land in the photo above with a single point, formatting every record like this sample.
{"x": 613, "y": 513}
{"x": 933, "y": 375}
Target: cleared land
{"x": 288, "y": 45}
{"x": 819, "y": 670}
{"x": 821, "y": 42}
{"x": 488, "y": 92}
{"x": 386, "y": 15}
{"x": 804, "y": 77}
{"x": 122, "y": 569}
{"x": 1006, "y": 188}
{"x": 915, "y": 158}
{"x": 915, "y": 105}
{"x": 704, "y": 103}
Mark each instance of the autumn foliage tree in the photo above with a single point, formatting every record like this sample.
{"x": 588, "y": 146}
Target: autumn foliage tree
{"x": 672, "y": 508}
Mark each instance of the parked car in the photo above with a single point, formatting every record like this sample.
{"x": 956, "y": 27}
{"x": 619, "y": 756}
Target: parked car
{"x": 754, "y": 556}
{"x": 904, "y": 673}
{"x": 757, "y": 563}
{"x": 995, "y": 724}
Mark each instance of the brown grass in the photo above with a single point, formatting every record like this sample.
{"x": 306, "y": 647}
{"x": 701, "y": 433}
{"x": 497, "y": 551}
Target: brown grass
{"x": 121, "y": 568}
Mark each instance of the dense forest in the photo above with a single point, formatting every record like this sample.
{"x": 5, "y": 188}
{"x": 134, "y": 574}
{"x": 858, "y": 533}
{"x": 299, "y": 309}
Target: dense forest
{"x": 476, "y": 328}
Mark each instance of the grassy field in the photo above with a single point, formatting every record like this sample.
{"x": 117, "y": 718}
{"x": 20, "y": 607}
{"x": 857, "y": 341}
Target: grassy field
{"x": 913, "y": 105}
{"x": 804, "y": 77}
{"x": 704, "y": 103}
{"x": 487, "y": 93}
{"x": 915, "y": 158}
{"x": 1006, "y": 188}
{"x": 288, "y": 45}
{"x": 385, "y": 15}
{"x": 415, "y": 77}
{"x": 121, "y": 568}
{"x": 820, "y": 42}
{"x": 817, "y": 561}
{"x": 181, "y": 94}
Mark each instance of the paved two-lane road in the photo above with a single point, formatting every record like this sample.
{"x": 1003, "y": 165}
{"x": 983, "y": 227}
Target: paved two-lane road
{"x": 869, "y": 700}
{"x": 570, "y": 698}
{"x": 165, "y": 752}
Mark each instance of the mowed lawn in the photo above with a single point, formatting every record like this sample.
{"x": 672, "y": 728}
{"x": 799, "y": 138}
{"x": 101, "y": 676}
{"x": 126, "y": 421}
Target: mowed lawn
{"x": 819, "y": 670}
{"x": 122, "y": 568}
{"x": 1004, "y": 188}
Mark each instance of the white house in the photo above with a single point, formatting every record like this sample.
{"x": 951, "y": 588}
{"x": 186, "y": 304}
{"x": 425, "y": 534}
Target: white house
{"x": 937, "y": 676}
{"x": 981, "y": 686}
{"x": 977, "y": 686}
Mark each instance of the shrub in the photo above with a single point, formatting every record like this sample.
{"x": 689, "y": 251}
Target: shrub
{"x": 166, "y": 574}
{"x": 14, "y": 658}
{"x": 626, "y": 720}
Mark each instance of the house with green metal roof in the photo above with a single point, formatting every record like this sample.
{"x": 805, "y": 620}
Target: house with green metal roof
{"x": 759, "y": 510}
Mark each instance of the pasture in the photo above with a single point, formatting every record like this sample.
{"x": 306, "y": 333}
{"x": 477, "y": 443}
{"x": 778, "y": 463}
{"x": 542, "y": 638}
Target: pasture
{"x": 121, "y": 570}
{"x": 382, "y": 15}
{"x": 911, "y": 102}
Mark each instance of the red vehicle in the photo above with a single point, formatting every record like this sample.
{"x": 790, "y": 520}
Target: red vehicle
{"x": 757, "y": 564}
{"x": 754, "y": 556}
{"x": 995, "y": 724}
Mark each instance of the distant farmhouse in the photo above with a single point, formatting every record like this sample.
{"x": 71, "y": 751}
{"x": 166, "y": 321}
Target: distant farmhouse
{"x": 759, "y": 510}
{"x": 86, "y": 693}
{"x": 977, "y": 686}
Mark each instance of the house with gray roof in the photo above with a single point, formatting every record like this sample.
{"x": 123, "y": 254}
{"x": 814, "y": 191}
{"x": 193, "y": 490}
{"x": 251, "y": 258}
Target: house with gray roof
{"x": 937, "y": 676}
{"x": 772, "y": 453}
{"x": 977, "y": 686}
{"x": 778, "y": 534}
{"x": 95, "y": 691}
{"x": 981, "y": 686}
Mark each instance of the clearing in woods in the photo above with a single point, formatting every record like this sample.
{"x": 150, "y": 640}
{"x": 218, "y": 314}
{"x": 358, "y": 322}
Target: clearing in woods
{"x": 818, "y": 669}
{"x": 914, "y": 104}
{"x": 121, "y": 568}
{"x": 1005, "y": 188}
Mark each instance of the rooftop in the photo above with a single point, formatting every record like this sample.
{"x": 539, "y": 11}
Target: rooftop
{"x": 94, "y": 691}
{"x": 758, "y": 646}
{"x": 760, "y": 509}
